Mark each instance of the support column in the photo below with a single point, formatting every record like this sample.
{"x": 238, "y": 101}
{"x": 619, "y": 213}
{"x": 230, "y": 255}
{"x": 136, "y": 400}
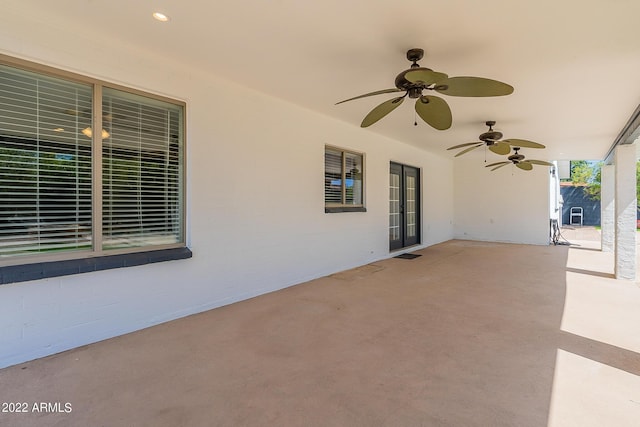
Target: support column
{"x": 607, "y": 207}
{"x": 625, "y": 212}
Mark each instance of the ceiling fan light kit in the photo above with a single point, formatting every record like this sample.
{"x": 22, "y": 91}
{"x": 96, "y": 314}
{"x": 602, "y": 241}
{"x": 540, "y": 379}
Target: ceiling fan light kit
{"x": 433, "y": 110}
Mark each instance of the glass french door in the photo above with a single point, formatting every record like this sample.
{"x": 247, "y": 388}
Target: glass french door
{"x": 404, "y": 206}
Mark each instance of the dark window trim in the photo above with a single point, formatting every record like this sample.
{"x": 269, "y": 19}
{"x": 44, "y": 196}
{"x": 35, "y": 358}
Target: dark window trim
{"x": 345, "y": 209}
{"x": 44, "y": 270}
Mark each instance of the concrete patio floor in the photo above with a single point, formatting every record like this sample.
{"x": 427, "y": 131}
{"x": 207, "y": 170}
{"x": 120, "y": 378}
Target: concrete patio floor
{"x": 467, "y": 334}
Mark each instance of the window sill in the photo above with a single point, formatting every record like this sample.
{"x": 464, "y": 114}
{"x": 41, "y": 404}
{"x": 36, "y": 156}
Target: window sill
{"x": 43, "y": 270}
{"x": 345, "y": 209}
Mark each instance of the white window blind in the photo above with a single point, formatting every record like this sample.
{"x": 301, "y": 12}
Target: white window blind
{"x": 45, "y": 164}
{"x": 332, "y": 177}
{"x": 141, "y": 177}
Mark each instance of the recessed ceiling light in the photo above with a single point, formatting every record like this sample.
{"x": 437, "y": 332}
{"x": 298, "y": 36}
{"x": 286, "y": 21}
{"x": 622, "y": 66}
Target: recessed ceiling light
{"x": 89, "y": 133}
{"x": 160, "y": 16}
{"x": 58, "y": 130}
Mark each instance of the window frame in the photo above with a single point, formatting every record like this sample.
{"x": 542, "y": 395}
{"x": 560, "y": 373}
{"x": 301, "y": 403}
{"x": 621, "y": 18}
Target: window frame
{"x": 343, "y": 206}
{"x": 99, "y": 256}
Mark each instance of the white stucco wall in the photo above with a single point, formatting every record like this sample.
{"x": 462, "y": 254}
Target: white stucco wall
{"x": 255, "y": 207}
{"x": 506, "y": 205}
{"x": 625, "y": 208}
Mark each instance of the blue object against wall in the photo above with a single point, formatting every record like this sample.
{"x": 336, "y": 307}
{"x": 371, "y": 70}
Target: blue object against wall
{"x": 575, "y": 197}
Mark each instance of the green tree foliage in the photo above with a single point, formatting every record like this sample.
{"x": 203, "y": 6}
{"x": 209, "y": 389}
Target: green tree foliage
{"x": 589, "y": 175}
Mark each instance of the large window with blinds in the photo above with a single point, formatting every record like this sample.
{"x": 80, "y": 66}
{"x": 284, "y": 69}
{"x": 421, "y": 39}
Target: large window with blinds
{"x": 343, "y": 180}
{"x": 68, "y": 191}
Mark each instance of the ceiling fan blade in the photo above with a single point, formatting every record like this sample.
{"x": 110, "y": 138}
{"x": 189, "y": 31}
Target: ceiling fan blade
{"x": 381, "y": 110}
{"x": 525, "y": 165}
{"x": 522, "y": 143}
{"x": 434, "y": 111}
{"x": 378, "y": 92}
{"x": 500, "y": 148}
{"x": 473, "y": 86}
{"x": 463, "y": 145}
{"x": 425, "y": 76}
{"x": 499, "y": 165}
{"x": 496, "y": 163}
{"x": 539, "y": 162}
{"x": 469, "y": 149}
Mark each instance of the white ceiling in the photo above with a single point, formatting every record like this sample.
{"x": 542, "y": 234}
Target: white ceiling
{"x": 574, "y": 64}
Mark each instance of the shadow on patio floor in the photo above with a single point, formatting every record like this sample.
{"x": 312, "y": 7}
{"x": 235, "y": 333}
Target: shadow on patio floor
{"x": 468, "y": 334}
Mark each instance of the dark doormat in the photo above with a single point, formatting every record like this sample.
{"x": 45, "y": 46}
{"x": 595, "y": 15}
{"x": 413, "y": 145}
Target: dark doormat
{"x": 407, "y": 256}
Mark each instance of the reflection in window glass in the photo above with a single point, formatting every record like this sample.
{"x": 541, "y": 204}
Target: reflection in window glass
{"x": 353, "y": 179}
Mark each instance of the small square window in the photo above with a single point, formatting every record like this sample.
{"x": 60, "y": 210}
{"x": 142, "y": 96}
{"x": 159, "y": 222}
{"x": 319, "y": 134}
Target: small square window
{"x": 343, "y": 181}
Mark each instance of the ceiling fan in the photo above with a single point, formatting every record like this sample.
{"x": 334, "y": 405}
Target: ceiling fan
{"x": 432, "y": 109}
{"x": 518, "y": 160}
{"x": 492, "y": 140}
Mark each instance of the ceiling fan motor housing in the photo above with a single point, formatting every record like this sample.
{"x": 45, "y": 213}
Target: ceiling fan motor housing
{"x": 515, "y": 158}
{"x": 414, "y": 89}
{"x": 491, "y": 137}
{"x": 404, "y": 84}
